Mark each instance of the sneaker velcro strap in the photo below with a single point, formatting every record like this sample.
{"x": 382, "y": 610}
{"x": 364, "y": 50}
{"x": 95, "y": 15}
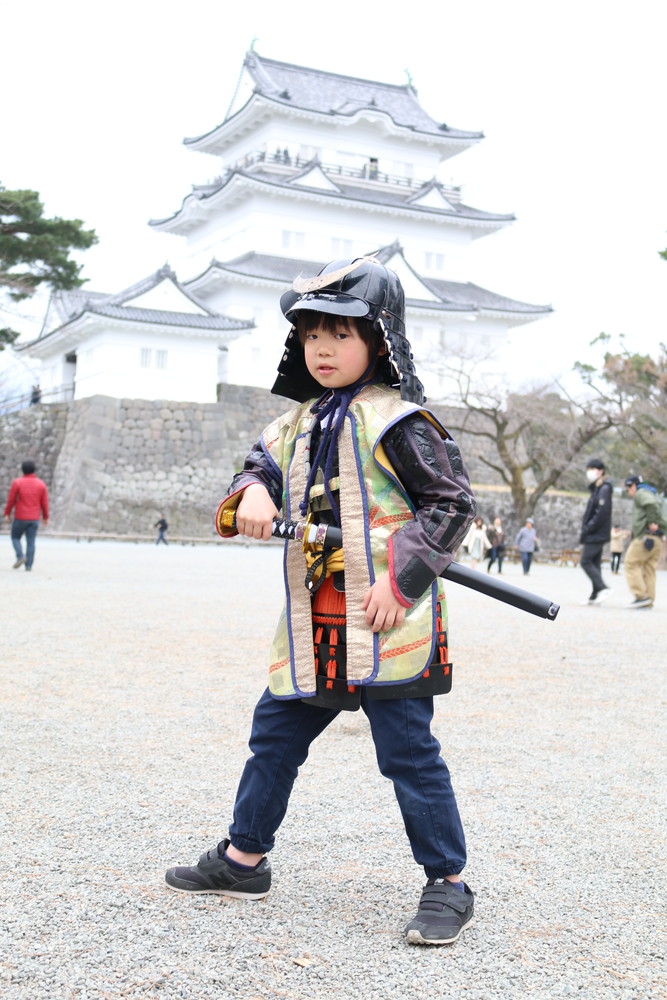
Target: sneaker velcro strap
{"x": 209, "y": 856}
{"x": 444, "y": 894}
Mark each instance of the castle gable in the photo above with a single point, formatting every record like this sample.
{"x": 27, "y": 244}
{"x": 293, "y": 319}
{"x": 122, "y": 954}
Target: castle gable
{"x": 314, "y": 177}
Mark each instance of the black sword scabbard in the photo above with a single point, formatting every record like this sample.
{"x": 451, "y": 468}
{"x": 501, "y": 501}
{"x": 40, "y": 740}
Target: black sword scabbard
{"x": 501, "y": 591}
{"x": 331, "y": 537}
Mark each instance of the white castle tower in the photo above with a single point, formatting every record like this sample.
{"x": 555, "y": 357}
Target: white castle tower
{"x": 315, "y": 166}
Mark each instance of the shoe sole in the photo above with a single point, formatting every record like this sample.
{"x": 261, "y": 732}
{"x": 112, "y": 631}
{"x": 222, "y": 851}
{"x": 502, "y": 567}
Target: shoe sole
{"x": 219, "y": 892}
{"x": 414, "y": 936}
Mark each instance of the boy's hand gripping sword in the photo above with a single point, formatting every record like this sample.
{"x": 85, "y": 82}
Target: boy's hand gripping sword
{"x": 328, "y": 536}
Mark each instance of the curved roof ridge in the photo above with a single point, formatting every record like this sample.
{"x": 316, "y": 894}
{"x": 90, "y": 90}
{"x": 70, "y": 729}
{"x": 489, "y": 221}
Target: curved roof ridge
{"x": 328, "y": 93}
{"x": 139, "y": 288}
{"x": 458, "y": 211}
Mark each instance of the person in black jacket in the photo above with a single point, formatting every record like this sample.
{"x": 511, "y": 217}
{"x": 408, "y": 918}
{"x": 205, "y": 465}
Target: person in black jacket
{"x": 596, "y": 529}
{"x": 161, "y": 526}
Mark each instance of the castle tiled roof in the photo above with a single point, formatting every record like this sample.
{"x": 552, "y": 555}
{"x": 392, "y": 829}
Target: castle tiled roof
{"x": 380, "y": 195}
{"x": 450, "y": 296}
{"x": 333, "y": 94}
{"x": 66, "y": 307}
{"x": 466, "y": 292}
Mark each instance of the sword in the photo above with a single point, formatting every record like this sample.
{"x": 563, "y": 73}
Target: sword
{"x": 329, "y": 536}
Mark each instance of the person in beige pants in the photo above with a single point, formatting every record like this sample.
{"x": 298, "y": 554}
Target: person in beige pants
{"x": 643, "y": 555}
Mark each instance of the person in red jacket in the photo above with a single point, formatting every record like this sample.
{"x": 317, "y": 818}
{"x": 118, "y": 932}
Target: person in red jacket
{"x": 29, "y": 499}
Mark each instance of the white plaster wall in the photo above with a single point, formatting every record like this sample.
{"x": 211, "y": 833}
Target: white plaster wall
{"x": 253, "y": 358}
{"x": 110, "y": 363}
{"x": 51, "y": 377}
{"x": 317, "y": 231}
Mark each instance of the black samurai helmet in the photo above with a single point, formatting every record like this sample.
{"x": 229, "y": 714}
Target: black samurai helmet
{"x": 362, "y": 288}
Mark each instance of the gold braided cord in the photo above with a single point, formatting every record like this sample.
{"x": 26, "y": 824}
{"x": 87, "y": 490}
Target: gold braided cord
{"x": 334, "y": 562}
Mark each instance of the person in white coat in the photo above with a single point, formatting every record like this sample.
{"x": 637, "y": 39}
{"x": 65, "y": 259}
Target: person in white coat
{"x": 476, "y": 542}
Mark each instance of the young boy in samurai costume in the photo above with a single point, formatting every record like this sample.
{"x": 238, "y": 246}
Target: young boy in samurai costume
{"x": 360, "y": 453}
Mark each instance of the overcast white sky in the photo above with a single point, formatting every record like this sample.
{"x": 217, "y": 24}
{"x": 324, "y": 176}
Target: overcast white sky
{"x": 570, "y": 95}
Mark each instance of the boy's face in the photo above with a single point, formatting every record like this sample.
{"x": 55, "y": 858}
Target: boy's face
{"x": 336, "y": 359}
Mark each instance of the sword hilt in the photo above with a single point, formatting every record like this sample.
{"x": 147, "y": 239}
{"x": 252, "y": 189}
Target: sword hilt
{"x": 306, "y": 532}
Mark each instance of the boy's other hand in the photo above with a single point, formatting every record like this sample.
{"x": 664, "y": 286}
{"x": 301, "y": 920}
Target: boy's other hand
{"x": 255, "y": 512}
{"x": 383, "y": 610}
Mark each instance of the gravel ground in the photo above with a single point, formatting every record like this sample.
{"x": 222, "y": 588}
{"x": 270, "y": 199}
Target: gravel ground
{"x": 128, "y": 682}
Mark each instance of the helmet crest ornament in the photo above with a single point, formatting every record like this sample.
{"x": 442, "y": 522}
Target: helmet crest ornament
{"x": 303, "y": 285}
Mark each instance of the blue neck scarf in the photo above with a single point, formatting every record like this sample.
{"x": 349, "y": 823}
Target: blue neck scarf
{"x": 333, "y": 405}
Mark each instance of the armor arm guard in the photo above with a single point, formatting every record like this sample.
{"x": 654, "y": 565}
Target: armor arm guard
{"x": 433, "y": 474}
{"x": 257, "y": 468}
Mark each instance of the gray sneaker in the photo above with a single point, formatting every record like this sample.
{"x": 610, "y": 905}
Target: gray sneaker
{"x": 214, "y": 874}
{"x": 443, "y": 913}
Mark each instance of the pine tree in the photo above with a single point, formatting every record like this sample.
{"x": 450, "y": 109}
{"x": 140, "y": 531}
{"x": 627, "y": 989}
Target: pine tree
{"x": 35, "y": 250}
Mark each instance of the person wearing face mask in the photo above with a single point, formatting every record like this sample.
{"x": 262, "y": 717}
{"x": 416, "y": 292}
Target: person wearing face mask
{"x": 596, "y": 529}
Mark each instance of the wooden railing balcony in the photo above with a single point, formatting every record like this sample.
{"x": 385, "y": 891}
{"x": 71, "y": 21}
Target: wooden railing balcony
{"x": 283, "y": 163}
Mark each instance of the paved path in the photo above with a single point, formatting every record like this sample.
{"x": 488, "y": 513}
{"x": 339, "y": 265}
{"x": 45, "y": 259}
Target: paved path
{"x": 127, "y": 679}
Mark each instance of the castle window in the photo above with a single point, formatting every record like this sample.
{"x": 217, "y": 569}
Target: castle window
{"x": 160, "y": 359}
{"x": 434, "y": 261}
{"x": 341, "y": 248}
{"x": 146, "y": 357}
{"x": 292, "y": 241}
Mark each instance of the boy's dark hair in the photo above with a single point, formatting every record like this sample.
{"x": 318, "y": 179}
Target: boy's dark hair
{"x": 308, "y": 320}
{"x": 28, "y": 467}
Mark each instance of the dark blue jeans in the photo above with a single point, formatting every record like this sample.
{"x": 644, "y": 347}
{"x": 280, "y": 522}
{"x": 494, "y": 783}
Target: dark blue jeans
{"x": 407, "y": 753}
{"x": 29, "y": 529}
{"x": 526, "y": 560}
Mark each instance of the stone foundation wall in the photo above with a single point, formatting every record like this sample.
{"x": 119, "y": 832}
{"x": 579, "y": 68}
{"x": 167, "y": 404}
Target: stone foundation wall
{"x": 36, "y": 433}
{"x": 116, "y": 465}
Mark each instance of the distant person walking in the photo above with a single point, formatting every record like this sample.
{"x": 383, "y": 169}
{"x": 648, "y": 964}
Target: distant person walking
{"x": 596, "y": 529}
{"x": 161, "y": 526}
{"x": 643, "y": 555}
{"x": 496, "y": 535}
{"x": 526, "y": 542}
{"x": 29, "y": 499}
{"x": 476, "y": 542}
{"x": 616, "y": 546}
